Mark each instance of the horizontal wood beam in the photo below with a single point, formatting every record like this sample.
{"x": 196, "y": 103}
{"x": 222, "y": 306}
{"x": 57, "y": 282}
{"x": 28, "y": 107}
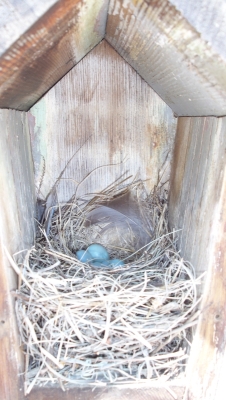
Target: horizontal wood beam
{"x": 170, "y": 54}
{"x": 18, "y": 17}
{"x": 49, "y": 49}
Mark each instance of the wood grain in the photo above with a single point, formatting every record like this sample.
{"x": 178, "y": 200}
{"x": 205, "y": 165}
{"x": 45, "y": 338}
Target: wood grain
{"x": 16, "y": 233}
{"x": 49, "y": 49}
{"x": 197, "y": 205}
{"x": 170, "y": 54}
{"x": 196, "y": 181}
{"x": 103, "y": 103}
{"x": 208, "y": 17}
{"x": 206, "y": 374}
{"x": 177, "y": 48}
{"x": 17, "y": 17}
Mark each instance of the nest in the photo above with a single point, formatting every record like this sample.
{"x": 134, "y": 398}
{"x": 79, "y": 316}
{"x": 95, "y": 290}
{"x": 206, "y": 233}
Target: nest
{"x": 85, "y": 326}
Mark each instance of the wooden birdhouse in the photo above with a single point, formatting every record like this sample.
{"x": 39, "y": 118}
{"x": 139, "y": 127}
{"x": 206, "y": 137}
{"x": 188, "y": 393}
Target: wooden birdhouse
{"x": 135, "y": 85}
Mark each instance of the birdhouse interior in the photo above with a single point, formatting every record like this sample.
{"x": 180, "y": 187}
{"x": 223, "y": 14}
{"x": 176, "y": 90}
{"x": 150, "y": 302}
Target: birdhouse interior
{"x": 117, "y": 87}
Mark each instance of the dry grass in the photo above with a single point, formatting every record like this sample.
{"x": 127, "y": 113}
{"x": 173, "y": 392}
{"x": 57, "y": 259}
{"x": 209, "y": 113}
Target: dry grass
{"x": 81, "y": 325}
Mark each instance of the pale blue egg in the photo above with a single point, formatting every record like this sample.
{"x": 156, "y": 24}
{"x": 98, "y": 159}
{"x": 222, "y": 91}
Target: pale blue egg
{"x": 84, "y": 256}
{"x": 116, "y": 262}
{"x": 98, "y": 252}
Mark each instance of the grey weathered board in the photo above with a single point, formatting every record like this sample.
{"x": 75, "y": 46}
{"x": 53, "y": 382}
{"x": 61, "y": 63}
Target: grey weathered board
{"x": 199, "y": 159}
{"x": 198, "y": 207}
{"x": 170, "y": 54}
{"x": 208, "y": 17}
{"x": 17, "y": 17}
{"x": 103, "y": 103}
{"x": 17, "y": 205}
{"x": 49, "y": 49}
{"x": 177, "y": 46}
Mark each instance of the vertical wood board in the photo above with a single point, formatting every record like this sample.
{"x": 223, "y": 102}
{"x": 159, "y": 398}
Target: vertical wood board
{"x": 206, "y": 373}
{"x": 16, "y": 234}
{"x": 105, "y": 104}
{"x": 169, "y": 53}
{"x": 196, "y": 179}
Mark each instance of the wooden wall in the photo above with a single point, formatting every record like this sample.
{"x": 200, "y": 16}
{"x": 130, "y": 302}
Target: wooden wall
{"x": 196, "y": 182}
{"x": 181, "y": 58}
{"x": 103, "y": 103}
{"x": 105, "y": 98}
{"x": 17, "y": 205}
{"x": 198, "y": 207}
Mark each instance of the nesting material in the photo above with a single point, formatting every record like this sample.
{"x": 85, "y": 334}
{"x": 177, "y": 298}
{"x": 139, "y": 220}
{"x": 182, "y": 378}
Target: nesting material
{"x": 86, "y": 326}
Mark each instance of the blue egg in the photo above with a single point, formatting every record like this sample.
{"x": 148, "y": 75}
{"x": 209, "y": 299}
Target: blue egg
{"x": 100, "y": 264}
{"x": 116, "y": 262}
{"x": 84, "y": 256}
{"x": 98, "y": 252}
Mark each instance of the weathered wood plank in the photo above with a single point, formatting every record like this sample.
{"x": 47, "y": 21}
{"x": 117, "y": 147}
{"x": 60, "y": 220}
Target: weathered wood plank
{"x": 17, "y": 17}
{"x": 49, "y": 49}
{"x": 206, "y": 373}
{"x": 105, "y": 101}
{"x": 197, "y": 205}
{"x": 16, "y": 233}
{"x": 181, "y": 149}
{"x": 196, "y": 183}
{"x": 190, "y": 195}
{"x": 208, "y": 17}
{"x": 170, "y": 54}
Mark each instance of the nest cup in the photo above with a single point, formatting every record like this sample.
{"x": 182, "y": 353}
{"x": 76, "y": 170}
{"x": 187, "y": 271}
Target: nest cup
{"x": 116, "y": 326}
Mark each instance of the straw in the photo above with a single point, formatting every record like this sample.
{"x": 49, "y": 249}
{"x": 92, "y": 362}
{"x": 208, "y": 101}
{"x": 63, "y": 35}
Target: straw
{"x": 86, "y": 326}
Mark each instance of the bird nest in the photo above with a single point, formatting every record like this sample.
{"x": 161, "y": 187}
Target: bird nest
{"x": 81, "y": 325}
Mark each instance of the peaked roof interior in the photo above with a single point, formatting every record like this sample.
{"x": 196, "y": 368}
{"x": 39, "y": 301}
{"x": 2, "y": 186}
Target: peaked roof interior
{"x": 176, "y": 47}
